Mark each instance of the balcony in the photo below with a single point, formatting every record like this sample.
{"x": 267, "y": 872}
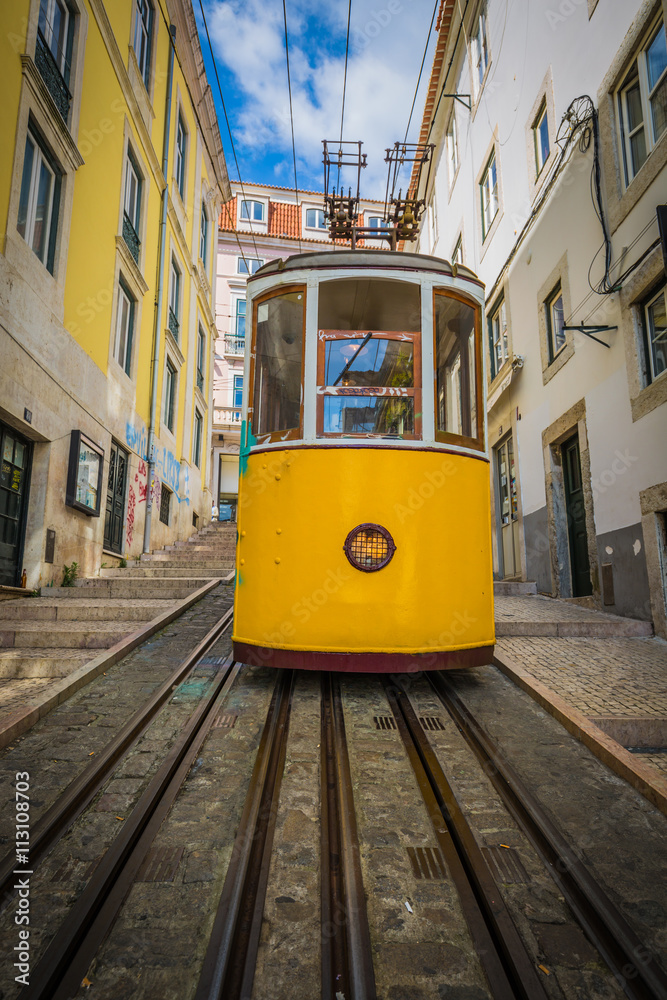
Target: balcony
{"x": 235, "y": 345}
{"x": 174, "y": 325}
{"x": 131, "y": 238}
{"x": 227, "y": 416}
{"x": 52, "y": 77}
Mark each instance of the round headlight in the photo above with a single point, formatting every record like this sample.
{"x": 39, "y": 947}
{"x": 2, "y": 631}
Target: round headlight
{"x": 369, "y": 547}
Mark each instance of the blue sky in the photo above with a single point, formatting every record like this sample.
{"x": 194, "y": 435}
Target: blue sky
{"x": 387, "y": 39}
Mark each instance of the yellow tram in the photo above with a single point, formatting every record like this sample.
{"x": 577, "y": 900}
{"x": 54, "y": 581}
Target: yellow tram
{"x": 364, "y": 536}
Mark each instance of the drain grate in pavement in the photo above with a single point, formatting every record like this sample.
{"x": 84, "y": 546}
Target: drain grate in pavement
{"x": 74, "y": 870}
{"x": 224, "y": 721}
{"x": 505, "y": 865}
{"x": 431, "y": 722}
{"x": 384, "y": 722}
{"x": 160, "y": 864}
{"x": 427, "y": 863}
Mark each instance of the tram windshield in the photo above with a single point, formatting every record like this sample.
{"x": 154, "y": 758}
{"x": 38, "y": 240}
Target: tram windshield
{"x": 368, "y": 365}
{"x": 276, "y": 391}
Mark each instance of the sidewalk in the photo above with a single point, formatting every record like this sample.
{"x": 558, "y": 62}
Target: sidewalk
{"x": 603, "y": 676}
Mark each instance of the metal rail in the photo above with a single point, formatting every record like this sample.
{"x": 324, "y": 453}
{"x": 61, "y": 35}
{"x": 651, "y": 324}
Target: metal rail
{"x": 60, "y": 971}
{"x": 502, "y": 954}
{"x": 637, "y": 971}
{"x": 229, "y": 964}
{"x": 55, "y": 822}
{"x": 347, "y": 963}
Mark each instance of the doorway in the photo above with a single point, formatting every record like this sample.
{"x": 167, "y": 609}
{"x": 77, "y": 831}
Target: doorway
{"x": 509, "y": 557}
{"x": 16, "y": 454}
{"x": 115, "y": 506}
{"x": 576, "y": 518}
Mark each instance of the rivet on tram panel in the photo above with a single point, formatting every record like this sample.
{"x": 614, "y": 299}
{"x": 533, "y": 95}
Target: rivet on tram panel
{"x": 278, "y": 476}
{"x": 264, "y": 466}
{"x": 279, "y": 531}
{"x": 242, "y": 563}
{"x": 243, "y": 534}
{"x": 277, "y": 561}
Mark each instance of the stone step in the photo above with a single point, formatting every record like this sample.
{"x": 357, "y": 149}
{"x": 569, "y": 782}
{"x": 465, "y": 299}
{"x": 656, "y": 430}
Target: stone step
{"x": 185, "y": 571}
{"x": 513, "y": 588}
{"x": 24, "y": 664}
{"x": 623, "y": 628}
{"x": 74, "y": 634}
{"x": 205, "y": 557}
{"x": 142, "y": 589}
{"x": 60, "y": 609}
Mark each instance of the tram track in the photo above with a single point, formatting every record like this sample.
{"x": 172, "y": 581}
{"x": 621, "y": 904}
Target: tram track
{"x": 631, "y": 962}
{"x": 70, "y": 952}
{"x": 57, "y": 819}
{"x": 233, "y": 930}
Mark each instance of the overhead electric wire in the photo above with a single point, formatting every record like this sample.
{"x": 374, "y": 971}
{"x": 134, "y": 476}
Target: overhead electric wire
{"x": 291, "y": 116}
{"x": 342, "y": 110}
{"x": 231, "y": 138}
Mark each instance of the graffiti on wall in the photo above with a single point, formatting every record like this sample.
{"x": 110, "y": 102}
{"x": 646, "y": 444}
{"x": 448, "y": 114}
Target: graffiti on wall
{"x": 141, "y": 474}
{"x": 131, "y": 504}
{"x": 137, "y": 439}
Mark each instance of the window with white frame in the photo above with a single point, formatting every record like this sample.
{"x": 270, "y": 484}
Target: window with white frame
{"x": 315, "y": 219}
{"x": 174, "y": 320}
{"x": 654, "y": 321}
{"x": 249, "y": 265}
{"x": 489, "y": 194}
{"x": 124, "y": 328}
{"x": 38, "y": 202}
{"x": 377, "y": 222}
{"x": 56, "y": 28}
{"x": 253, "y": 211}
{"x": 498, "y": 337}
{"x": 457, "y": 256}
{"x": 201, "y": 354}
{"x": 196, "y": 439}
{"x": 555, "y": 322}
{"x": 132, "y": 207}
{"x": 143, "y": 27}
{"x": 181, "y": 149}
{"x": 541, "y": 138}
{"x": 203, "y": 235}
{"x": 238, "y": 390}
{"x": 239, "y": 324}
{"x": 479, "y": 52}
{"x": 642, "y": 102}
{"x": 452, "y": 144}
{"x": 169, "y": 406}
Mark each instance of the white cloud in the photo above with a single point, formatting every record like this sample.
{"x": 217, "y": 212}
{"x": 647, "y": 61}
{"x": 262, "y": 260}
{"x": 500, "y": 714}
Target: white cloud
{"x": 387, "y": 40}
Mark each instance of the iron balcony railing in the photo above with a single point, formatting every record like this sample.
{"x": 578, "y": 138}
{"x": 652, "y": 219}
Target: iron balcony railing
{"x": 52, "y": 77}
{"x": 234, "y": 345}
{"x": 130, "y": 237}
{"x": 174, "y": 325}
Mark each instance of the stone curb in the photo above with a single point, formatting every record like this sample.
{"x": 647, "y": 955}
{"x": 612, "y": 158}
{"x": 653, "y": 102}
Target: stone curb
{"x": 630, "y": 628}
{"x": 18, "y": 722}
{"x": 642, "y": 777}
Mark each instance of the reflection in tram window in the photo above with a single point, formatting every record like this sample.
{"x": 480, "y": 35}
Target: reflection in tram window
{"x": 456, "y": 411}
{"x": 369, "y": 304}
{"x": 368, "y": 415}
{"x": 371, "y": 361}
{"x": 278, "y": 367}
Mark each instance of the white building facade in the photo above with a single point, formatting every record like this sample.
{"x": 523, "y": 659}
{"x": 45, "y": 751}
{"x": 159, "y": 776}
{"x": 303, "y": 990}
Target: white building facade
{"x": 577, "y": 425}
{"x": 259, "y": 224}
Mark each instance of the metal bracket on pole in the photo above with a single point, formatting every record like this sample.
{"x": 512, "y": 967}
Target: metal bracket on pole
{"x": 464, "y": 99}
{"x": 589, "y": 330}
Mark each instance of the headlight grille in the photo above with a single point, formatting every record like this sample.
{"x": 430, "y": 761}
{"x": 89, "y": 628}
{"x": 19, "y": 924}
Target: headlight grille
{"x": 369, "y": 547}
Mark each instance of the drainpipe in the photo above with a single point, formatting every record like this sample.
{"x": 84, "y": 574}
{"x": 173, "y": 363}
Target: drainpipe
{"x": 159, "y": 281}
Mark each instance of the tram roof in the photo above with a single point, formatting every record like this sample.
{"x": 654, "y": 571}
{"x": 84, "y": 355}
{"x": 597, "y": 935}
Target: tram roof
{"x": 389, "y": 260}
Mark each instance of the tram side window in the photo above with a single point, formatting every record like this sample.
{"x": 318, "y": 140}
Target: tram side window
{"x": 278, "y": 364}
{"x": 456, "y": 368}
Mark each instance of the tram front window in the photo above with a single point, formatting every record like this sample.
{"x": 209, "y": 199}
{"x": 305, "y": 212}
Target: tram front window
{"x": 369, "y": 359}
{"x": 276, "y": 394}
{"x": 456, "y": 370}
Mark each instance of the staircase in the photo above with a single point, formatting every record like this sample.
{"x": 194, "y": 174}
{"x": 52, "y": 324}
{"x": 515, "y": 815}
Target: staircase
{"x": 54, "y": 634}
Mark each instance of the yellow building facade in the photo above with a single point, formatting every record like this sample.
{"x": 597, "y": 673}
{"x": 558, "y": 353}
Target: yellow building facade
{"x": 111, "y": 179}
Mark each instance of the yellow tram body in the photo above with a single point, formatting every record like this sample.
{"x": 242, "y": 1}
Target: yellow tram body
{"x": 413, "y": 589}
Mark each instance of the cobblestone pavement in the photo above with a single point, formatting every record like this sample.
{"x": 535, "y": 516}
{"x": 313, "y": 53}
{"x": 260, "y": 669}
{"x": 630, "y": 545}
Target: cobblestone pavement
{"x": 608, "y": 679}
{"x": 599, "y": 677}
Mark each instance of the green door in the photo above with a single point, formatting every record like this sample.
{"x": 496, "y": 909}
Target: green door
{"x": 576, "y": 519}
{"x": 14, "y": 478}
